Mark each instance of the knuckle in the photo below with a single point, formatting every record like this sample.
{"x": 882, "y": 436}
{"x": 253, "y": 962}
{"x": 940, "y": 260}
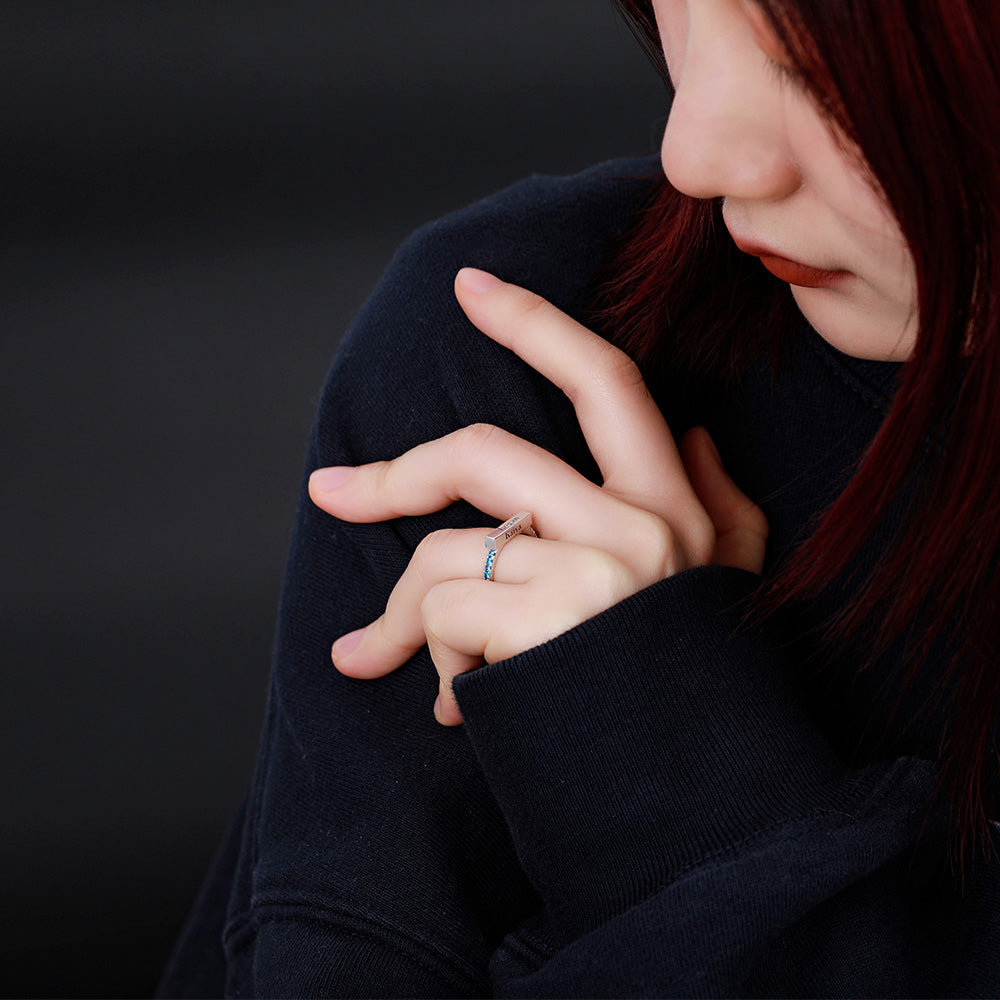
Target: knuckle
{"x": 607, "y": 579}
{"x": 389, "y": 637}
{"x": 438, "y": 604}
{"x": 472, "y": 442}
{"x": 618, "y": 370}
{"x": 704, "y": 540}
{"x": 533, "y": 305}
{"x": 620, "y": 575}
{"x": 664, "y": 550}
{"x": 611, "y": 374}
{"x": 757, "y": 521}
{"x": 382, "y": 479}
{"x": 657, "y": 544}
{"x": 430, "y": 551}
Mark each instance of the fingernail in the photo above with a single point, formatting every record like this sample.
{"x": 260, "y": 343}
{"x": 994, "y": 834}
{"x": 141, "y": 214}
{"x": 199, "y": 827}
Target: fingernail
{"x": 478, "y": 281}
{"x": 346, "y": 644}
{"x": 437, "y": 708}
{"x": 328, "y": 480}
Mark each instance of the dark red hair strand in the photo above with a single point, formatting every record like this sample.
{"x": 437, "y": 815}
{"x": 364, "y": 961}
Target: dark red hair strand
{"x": 916, "y": 88}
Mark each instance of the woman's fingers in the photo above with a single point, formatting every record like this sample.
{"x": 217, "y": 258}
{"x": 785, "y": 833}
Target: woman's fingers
{"x": 661, "y": 509}
{"x": 467, "y": 621}
{"x": 741, "y": 527}
{"x": 456, "y": 617}
{"x": 626, "y": 432}
{"x": 449, "y": 554}
{"x": 578, "y": 577}
{"x": 539, "y": 589}
{"x": 492, "y": 469}
{"x": 499, "y": 474}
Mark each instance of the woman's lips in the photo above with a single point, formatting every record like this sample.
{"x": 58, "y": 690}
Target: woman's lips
{"x": 792, "y": 271}
{"x": 801, "y": 274}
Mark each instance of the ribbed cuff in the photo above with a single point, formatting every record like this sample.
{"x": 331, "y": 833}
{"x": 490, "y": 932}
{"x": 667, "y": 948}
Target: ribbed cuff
{"x": 644, "y": 740}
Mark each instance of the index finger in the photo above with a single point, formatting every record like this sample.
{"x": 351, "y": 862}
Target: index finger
{"x": 624, "y": 428}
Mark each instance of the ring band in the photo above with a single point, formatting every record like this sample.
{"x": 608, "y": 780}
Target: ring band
{"x": 520, "y": 523}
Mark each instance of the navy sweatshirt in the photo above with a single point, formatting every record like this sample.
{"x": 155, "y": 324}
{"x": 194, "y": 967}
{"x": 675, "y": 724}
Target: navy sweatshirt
{"x": 658, "y": 802}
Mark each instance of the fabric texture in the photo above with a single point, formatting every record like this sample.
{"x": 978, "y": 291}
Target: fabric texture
{"x": 661, "y": 801}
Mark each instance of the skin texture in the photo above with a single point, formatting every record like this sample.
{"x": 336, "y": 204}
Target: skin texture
{"x": 741, "y": 129}
{"x": 659, "y": 511}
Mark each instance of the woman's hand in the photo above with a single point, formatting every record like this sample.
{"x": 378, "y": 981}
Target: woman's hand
{"x": 658, "y": 512}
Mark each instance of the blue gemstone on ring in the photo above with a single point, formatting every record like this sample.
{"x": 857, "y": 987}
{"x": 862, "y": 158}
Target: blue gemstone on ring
{"x": 488, "y": 568}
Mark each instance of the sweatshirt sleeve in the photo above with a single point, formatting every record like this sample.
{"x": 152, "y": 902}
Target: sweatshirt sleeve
{"x": 639, "y": 807}
{"x": 692, "y": 833}
{"x": 373, "y": 858}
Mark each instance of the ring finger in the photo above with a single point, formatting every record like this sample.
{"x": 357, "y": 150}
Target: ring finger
{"x": 450, "y": 554}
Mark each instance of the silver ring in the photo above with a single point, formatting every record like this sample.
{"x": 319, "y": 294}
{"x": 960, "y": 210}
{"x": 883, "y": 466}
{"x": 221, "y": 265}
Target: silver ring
{"x": 520, "y": 523}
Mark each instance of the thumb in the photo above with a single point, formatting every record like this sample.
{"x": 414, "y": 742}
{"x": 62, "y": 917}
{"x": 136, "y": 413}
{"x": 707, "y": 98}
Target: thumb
{"x": 740, "y": 525}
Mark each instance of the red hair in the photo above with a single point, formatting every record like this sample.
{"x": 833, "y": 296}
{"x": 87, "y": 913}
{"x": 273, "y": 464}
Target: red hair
{"x": 917, "y": 88}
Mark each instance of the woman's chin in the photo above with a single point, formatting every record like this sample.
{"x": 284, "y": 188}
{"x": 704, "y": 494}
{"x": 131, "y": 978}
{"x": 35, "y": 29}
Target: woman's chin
{"x": 855, "y": 327}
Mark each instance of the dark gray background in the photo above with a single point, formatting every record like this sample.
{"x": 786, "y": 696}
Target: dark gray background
{"x": 196, "y": 198}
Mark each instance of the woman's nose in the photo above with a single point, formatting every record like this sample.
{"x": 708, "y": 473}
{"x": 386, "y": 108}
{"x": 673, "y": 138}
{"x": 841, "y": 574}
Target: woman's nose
{"x": 725, "y": 136}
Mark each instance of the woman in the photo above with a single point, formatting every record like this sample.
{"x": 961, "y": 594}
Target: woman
{"x": 728, "y": 739}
